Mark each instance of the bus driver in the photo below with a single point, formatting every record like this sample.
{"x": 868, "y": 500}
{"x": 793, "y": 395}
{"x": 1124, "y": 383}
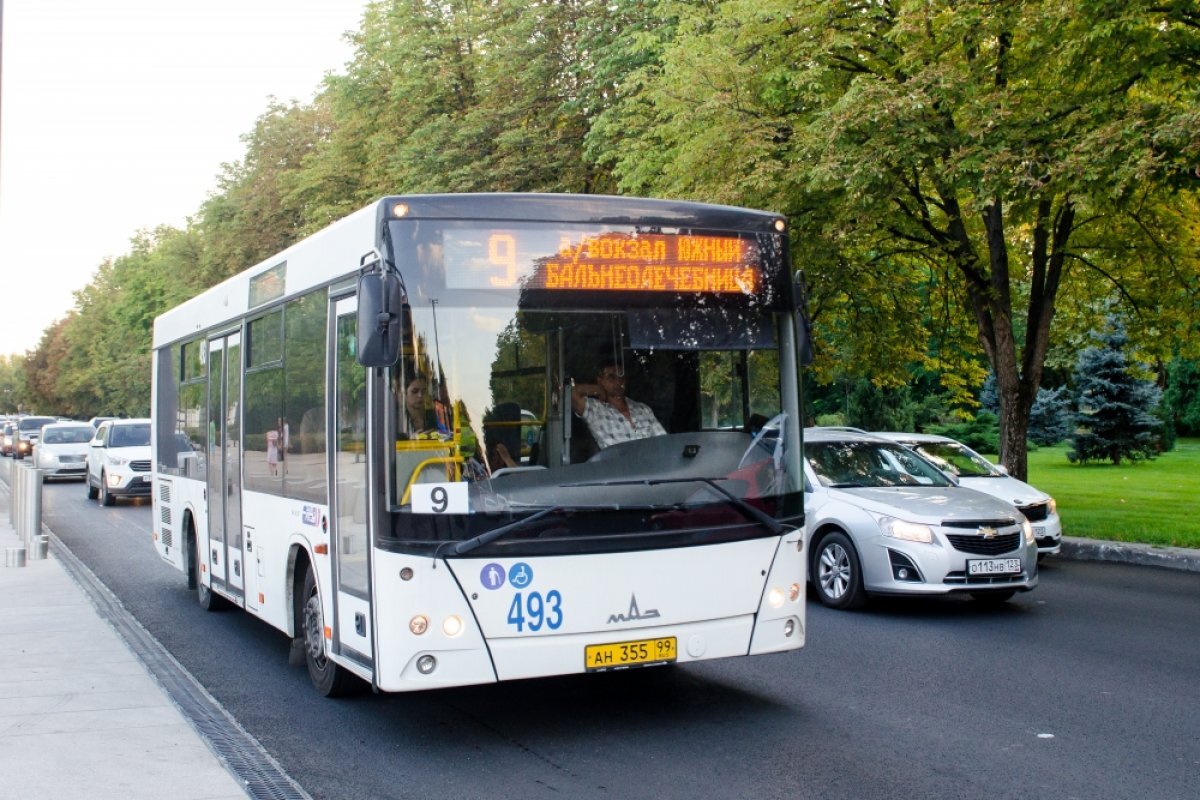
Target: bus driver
{"x": 610, "y": 415}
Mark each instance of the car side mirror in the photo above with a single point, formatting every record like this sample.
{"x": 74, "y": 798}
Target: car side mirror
{"x": 380, "y": 311}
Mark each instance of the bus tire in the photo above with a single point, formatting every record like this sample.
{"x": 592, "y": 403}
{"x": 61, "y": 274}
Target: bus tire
{"x": 205, "y": 596}
{"x": 328, "y": 678}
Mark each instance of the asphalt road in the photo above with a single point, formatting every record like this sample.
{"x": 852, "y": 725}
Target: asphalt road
{"x": 1087, "y": 687}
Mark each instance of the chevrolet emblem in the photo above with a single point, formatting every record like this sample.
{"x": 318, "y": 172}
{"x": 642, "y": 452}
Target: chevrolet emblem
{"x": 988, "y": 532}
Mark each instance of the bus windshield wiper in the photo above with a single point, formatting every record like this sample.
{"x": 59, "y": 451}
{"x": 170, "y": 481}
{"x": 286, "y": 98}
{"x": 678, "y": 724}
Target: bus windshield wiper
{"x": 487, "y": 537}
{"x": 756, "y": 514}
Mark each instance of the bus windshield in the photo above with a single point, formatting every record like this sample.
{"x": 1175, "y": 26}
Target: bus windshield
{"x": 642, "y": 396}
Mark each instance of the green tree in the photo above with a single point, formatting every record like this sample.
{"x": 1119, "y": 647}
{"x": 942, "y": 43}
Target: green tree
{"x": 1115, "y": 420}
{"x": 1003, "y": 156}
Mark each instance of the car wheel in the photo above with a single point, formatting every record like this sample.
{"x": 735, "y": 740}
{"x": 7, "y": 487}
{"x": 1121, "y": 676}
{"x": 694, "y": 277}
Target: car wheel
{"x": 92, "y": 491}
{"x": 106, "y": 499}
{"x": 993, "y": 598}
{"x": 329, "y": 679}
{"x": 837, "y": 573}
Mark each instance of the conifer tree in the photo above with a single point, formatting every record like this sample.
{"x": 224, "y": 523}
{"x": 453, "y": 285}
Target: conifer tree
{"x": 1115, "y": 419}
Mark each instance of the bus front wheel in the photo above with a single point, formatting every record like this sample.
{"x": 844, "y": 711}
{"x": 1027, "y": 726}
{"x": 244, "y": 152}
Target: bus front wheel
{"x": 328, "y": 678}
{"x": 204, "y": 595}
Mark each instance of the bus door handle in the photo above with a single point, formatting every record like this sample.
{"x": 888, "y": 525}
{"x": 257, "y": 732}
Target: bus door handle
{"x": 360, "y": 623}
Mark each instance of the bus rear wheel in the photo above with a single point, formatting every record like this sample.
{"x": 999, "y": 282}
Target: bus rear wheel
{"x": 328, "y": 678}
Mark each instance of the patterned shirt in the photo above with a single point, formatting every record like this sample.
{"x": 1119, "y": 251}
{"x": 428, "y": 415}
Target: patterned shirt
{"x": 609, "y": 426}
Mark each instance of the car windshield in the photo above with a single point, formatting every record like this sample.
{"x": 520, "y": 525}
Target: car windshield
{"x": 34, "y": 424}
{"x": 75, "y": 435}
{"x": 957, "y": 459}
{"x": 852, "y": 464}
{"x": 130, "y": 435}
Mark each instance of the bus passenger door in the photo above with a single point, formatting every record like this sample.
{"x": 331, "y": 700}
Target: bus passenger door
{"x": 349, "y": 513}
{"x": 225, "y": 561}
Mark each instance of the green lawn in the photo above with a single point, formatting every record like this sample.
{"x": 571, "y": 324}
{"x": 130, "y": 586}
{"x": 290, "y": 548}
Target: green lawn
{"x": 1156, "y": 502}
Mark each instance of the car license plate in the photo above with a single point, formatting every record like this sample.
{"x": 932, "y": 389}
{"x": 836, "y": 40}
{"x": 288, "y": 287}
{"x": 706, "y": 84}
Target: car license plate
{"x": 993, "y": 566}
{"x": 1039, "y": 530}
{"x": 146, "y": 478}
{"x": 619, "y": 655}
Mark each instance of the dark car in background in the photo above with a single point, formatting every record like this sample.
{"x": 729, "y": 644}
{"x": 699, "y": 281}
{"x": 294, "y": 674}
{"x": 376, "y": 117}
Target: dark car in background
{"x": 28, "y": 431}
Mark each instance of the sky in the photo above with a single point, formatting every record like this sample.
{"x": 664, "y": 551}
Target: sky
{"x": 116, "y": 115}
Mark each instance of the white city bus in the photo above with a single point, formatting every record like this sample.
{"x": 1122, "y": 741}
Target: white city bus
{"x": 475, "y": 532}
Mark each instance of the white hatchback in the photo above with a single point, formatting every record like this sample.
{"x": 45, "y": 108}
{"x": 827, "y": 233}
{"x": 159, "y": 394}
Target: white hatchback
{"x": 62, "y": 449}
{"x": 975, "y": 472}
{"x": 118, "y": 463}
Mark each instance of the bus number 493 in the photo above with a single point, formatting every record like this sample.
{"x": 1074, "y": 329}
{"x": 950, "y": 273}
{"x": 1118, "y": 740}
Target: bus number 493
{"x": 536, "y": 611}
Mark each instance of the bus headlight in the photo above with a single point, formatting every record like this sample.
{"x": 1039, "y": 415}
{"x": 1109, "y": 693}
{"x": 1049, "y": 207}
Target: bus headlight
{"x": 452, "y": 625}
{"x": 775, "y": 598}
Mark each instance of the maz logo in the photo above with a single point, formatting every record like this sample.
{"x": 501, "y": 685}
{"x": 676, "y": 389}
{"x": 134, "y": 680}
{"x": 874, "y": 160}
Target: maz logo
{"x": 634, "y": 612}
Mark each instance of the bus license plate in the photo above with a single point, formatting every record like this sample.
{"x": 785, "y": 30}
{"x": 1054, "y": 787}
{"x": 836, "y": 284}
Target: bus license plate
{"x": 993, "y": 566}
{"x": 619, "y": 655}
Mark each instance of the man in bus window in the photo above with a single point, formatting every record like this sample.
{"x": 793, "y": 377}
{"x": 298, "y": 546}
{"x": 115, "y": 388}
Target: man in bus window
{"x": 610, "y": 415}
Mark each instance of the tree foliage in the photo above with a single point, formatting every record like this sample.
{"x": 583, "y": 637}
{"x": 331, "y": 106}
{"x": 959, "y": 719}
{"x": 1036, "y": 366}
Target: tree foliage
{"x": 970, "y": 184}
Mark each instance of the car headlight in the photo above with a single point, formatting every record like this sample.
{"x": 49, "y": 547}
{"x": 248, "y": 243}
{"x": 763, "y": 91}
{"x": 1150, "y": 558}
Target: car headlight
{"x": 1052, "y": 507}
{"x": 908, "y": 531}
{"x": 117, "y": 461}
{"x": 1027, "y": 529}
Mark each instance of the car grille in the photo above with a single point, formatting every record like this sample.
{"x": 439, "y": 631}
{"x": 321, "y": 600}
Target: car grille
{"x": 1036, "y": 512}
{"x": 978, "y": 545}
{"x": 139, "y": 466}
{"x": 961, "y": 578}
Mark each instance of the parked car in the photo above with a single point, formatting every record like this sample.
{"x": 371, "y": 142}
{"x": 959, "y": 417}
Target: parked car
{"x": 62, "y": 449}
{"x": 28, "y": 430}
{"x": 118, "y": 462}
{"x": 976, "y": 472}
{"x": 880, "y": 519}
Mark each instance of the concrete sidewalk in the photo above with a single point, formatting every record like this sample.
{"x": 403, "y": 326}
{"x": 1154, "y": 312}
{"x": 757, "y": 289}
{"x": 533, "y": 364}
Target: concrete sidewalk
{"x": 80, "y": 716}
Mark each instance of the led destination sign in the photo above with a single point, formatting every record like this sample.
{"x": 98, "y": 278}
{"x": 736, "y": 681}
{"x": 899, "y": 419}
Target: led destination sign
{"x": 555, "y": 259}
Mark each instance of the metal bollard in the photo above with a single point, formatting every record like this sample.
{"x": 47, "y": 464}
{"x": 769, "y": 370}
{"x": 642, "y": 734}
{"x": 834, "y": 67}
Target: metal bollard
{"x": 14, "y": 556}
{"x": 41, "y": 548}
{"x": 18, "y": 501}
{"x": 35, "y": 505}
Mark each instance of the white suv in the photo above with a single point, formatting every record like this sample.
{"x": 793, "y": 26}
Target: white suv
{"x": 118, "y": 462}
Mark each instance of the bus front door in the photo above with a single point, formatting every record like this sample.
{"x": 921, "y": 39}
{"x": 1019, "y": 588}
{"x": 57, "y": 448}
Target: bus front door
{"x": 350, "y": 512}
{"x": 225, "y": 561}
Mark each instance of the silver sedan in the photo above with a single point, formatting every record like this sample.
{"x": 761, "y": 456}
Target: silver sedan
{"x": 880, "y": 519}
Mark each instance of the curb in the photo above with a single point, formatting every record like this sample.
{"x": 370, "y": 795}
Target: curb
{"x": 1177, "y": 558}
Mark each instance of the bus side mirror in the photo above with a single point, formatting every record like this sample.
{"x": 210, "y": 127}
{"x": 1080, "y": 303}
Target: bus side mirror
{"x": 380, "y": 299}
{"x": 804, "y": 344}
